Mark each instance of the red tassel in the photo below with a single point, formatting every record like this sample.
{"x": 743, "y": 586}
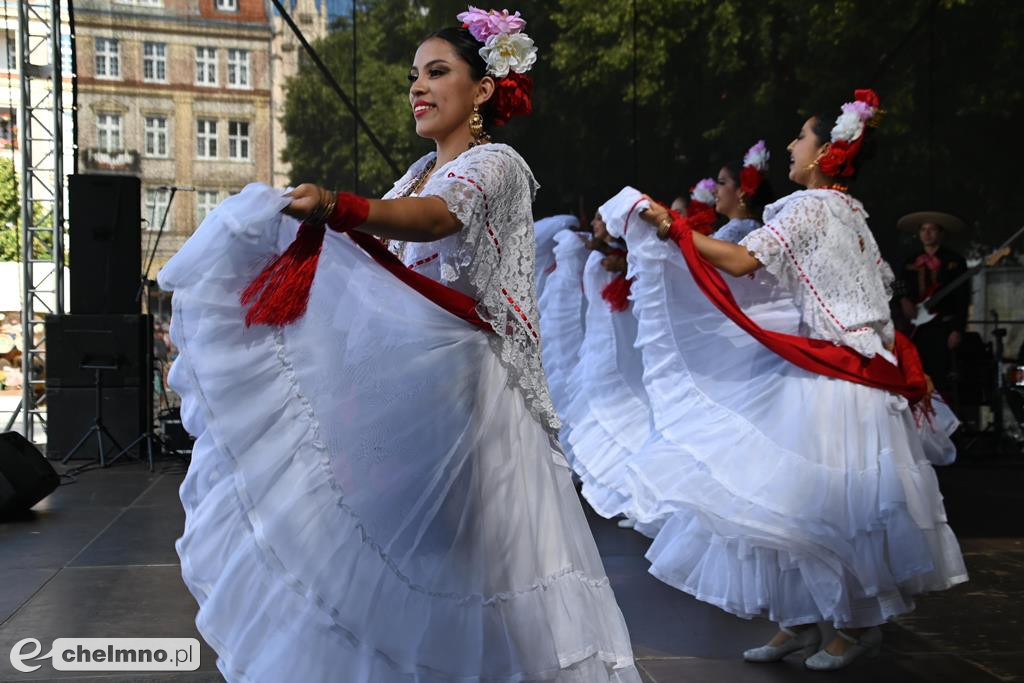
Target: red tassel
{"x": 280, "y": 293}
{"x": 616, "y": 293}
{"x": 910, "y": 363}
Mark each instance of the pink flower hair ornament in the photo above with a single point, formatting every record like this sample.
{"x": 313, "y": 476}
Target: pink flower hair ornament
{"x": 509, "y": 54}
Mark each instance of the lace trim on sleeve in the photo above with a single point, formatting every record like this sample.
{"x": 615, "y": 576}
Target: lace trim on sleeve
{"x": 766, "y": 248}
{"x": 490, "y": 190}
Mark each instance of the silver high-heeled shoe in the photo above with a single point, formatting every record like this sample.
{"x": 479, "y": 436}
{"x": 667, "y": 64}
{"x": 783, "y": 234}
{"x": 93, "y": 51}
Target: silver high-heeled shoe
{"x": 808, "y": 639}
{"x": 869, "y": 644}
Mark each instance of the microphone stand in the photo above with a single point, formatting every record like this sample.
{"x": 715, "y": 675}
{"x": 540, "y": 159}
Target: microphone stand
{"x": 149, "y": 436}
{"x": 156, "y": 243}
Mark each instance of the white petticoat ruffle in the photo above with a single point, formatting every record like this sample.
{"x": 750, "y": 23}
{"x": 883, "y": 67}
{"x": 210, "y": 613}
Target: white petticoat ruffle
{"x": 562, "y": 312}
{"x": 608, "y": 415}
{"x": 778, "y": 492}
{"x": 368, "y": 499}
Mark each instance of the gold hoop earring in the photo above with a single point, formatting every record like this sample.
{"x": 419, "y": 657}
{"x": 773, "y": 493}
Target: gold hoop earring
{"x": 476, "y": 128}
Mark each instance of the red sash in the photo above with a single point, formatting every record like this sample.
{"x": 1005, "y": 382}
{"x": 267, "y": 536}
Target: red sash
{"x": 814, "y": 355}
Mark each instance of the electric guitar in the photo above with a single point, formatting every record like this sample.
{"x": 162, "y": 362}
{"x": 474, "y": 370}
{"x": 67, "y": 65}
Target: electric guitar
{"x": 925, "y": 312}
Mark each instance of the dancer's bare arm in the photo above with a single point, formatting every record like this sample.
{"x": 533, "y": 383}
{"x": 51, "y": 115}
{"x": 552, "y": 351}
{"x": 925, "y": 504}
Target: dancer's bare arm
{"x": 408, "y": 219}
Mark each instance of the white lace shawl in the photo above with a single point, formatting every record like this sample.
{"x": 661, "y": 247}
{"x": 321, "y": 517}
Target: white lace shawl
{"x": 490, "y": 189}
{"x": 818, "y": 244}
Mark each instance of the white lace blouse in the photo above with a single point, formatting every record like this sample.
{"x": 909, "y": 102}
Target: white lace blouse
{"x": 490, "y": 189}
{"x": 736, "y": 229}
{"x": 818, "y": 244}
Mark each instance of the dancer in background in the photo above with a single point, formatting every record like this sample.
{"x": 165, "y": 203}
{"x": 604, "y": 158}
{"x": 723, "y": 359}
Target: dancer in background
{"x": 608, "y": 416}
{"x": 803, "y": 494}
{"x": 563, "y": 308}
{"x": 544, "y": 232}
{"x": 376, "y": 493}
{"x": 741, "y": 193}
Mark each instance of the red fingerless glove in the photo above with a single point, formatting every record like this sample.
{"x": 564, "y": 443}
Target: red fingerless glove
{"x": 350, "y": 211}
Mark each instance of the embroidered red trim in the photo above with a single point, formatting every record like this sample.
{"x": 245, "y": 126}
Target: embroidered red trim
{"x": 487, "y": 208}
{"x": 821, "y": 302}
{"x": 425, "y": 261}
{"x": 497, "y": 245}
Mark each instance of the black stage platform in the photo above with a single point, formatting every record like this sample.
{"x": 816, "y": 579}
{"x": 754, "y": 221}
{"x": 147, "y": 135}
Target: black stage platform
{"x": 97, "y": 559}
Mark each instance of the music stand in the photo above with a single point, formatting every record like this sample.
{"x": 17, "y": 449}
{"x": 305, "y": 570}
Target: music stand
{"x": 97, "y": 364}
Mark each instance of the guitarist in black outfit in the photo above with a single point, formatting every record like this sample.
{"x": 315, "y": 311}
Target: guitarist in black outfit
{"x": 925, "y": 273}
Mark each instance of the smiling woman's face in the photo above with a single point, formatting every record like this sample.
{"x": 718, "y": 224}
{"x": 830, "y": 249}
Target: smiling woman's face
{"x": 441, "y": 91}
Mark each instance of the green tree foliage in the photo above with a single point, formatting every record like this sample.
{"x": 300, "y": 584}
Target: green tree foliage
{"x": 10, "y": 213}
{"x": 10, "y": 218}
{"x": 712, "y": 76}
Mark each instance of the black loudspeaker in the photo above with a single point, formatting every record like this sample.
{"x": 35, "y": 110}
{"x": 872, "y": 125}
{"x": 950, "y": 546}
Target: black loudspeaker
{"x": 105, "y": 231}
{"x": 70, "y": 413}
{"x": 25, "y": 476}
{"x": 75, "y": 340}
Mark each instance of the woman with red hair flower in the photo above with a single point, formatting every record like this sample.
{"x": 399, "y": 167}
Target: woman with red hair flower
{"x": 377, "y": 494}
{"x": 795, "y": 478}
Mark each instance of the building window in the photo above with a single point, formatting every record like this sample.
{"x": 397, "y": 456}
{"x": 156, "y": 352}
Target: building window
{"x": 108, "y": 58}
{"x": 108, "y": 132}
{"x": 156, "y": 136}
{"x": 227, "y": 5}
{"x": 154, "y": 62}
{"x": 206, "y": 201}
{"x": 8, "y": 51}
{"x": 206, "y": 138}
{"x": 141, "y": 3}
{"x": 156, "y": 205}
{"x": 238, "y": 69}
{"x": 238, "y": 140}
{"x": 206, "y": 66}
{"x": 8, "y": 129}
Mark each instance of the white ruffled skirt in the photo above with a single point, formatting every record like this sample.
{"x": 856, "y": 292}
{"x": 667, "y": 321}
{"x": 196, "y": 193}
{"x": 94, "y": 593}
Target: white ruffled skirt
{"x": 562, "y": 310}
{"x": 782, "y": 493}
{"x": 368, "y": 499}
{"x": 607, "y": 418}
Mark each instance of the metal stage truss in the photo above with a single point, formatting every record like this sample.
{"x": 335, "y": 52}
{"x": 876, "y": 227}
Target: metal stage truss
{"x": 41, "y": 112}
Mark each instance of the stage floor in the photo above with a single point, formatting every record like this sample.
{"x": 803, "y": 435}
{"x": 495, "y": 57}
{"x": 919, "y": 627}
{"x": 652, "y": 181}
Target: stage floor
{"x": 97, "y": 559}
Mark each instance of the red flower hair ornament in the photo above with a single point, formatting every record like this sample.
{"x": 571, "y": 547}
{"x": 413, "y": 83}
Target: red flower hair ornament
{"x": 509, "y": 54}
{"x": 848, "y": 134}
{"x": 755, "y": 166}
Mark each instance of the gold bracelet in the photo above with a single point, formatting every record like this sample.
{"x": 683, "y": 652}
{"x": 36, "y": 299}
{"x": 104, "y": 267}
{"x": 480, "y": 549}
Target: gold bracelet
{"x": 322, "y": 211}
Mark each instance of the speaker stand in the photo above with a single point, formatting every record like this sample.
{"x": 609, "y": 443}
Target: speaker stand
{"x": 97, "y": 428}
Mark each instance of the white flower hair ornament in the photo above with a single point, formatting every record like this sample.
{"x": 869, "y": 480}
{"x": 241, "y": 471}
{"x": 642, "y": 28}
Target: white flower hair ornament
{"x": 755, "y": 167}
{"x": 848, "y": 133}
{"x": 704, "y": 192}
{"x": 506, "y": 48}
{"x": 509, "y": 54}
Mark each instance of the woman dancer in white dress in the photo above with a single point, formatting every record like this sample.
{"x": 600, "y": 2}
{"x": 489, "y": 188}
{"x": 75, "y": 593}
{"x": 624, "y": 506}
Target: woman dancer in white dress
{"x": 803, "y": 492}
{"x": 545, "y": 231}
{"x": 376, "y": 493}
{"x": 562, "y": 311}
{"x": 742, "y": 192}
{"x": 607, "y": 419}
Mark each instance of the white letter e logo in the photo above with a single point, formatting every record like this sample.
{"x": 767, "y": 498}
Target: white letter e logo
{"x": 18, "y": 657}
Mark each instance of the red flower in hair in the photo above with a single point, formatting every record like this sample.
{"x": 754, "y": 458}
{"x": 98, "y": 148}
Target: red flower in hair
{"x": 867, "y": 96}
{"x": 750, "y": 180}
{"x": 838, "y": 161}
{"x": 512, "y": 97}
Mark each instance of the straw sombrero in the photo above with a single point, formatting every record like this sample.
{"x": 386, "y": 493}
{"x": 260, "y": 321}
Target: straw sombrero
{"x": 913, "y": 221}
